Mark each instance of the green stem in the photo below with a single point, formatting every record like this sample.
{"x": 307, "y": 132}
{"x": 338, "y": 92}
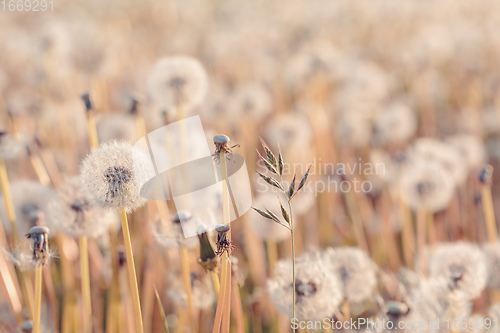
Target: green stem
{"x": 293, "y": 259}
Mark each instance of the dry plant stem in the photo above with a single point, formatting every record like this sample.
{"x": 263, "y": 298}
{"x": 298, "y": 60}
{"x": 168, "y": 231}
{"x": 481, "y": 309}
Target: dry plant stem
{"x": 215, "y": 282}
{"x": 38, "y": 298}
{"x": 220, "y": 298}
{"x": 226, "y": 259}
{"x": 357, "y": 223}
{"x": 84, "y": 268}
{"x": 186, "y": 278}
{"x": 27, "y": 291}
{"x": 10, "y": 288}
{"x": 421, "y": 235}
{"x": 238, "y": 310}
{"x": 9, "y": 206}
{"x": 94, "y": 142}
{"x": 407, "y": 235}
{"x": 489, "y": 214}
{"x": 131, "y": 272}
{"x": 293, "y": 258}
{"x": 346, "y": 310}
{"x": 40, "y": 170}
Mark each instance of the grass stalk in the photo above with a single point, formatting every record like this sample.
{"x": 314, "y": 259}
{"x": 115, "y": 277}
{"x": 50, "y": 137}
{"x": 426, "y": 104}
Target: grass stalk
{"x": 186, "y": 278}
{"x": 85, "y": 281}
{"x": 134, "y": 291}
{"x": 215, "y": 282}
{"x": 421, "y": 239}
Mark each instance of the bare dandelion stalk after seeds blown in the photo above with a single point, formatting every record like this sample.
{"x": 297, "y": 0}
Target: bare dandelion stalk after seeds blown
{"x": 275, "y": 166}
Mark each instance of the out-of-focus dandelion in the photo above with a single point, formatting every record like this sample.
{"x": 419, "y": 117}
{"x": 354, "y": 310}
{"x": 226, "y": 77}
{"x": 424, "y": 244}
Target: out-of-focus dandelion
{"x": 356, "y": 272}
{"x": 115, "y": 126}
{"x": 463, "y": 265}
{"x": 251, "y": 101}
{"x": 492, "y": 256}
{"x": 76, "y": 216}
{"x": 395, "y": 124}
{"x": 446, "y": 154}
{"x": 201, "y": 286}
{"x": 31, "y": 203}
{"x": 426, "y": 186}
{"x": 317, "y": 288}
{"x": 471, "y": 147}
{"x": 177, "y": 82}
{"x": 292, "y": 132}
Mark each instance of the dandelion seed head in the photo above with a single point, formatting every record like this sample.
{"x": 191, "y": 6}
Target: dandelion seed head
{"x": 31, "y": 202}
{"x": 202, "y": 291}
{"x": 471, "y": 148}
{"x": 444, "y": 153}
{"x": 463, "y": 264}
{"x": 111, "y": 173}
{"x": 292, "y": 131}
{"x": 426, "y": 185}
{"x": 119, "y": 127}
{"x": 354, "y": 129}
{"x": 432, "y": 299}
{"x": 355, "y": 270}
{"x": 318, "y": 290}
{"x": 395, "y": 124}
{"x": 251, "y": 100}
{"x": 492, "y": 256}
{"x": 10, "y": 147}
{"x": 77, "y": 215}
{"x": 177, "y": 82}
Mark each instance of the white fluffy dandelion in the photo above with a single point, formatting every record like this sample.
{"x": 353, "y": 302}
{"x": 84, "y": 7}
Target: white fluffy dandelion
{"x": 356, "y": 272}
{"x": 318, "y": 290}
{"x": 177, "y": 82}
{"x": 111, "y": 175}
{"x": 426, "y": 186}
{"x": 31, "y": 201}
{"x": 77, "y": 216}
{"x": 463, "y": 265}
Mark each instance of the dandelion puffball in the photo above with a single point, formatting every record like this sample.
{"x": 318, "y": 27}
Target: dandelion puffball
{"x": 463, "y": 264}
{"x": 426, "y": 186}
{"x": 31, "y": 201}
{"x": 317, "y": 289}
{"x": 77, "y": 215}
{"x": 177, "y": 82}
{"x": 111, "y": 175}
{"x": 356, "y": 271}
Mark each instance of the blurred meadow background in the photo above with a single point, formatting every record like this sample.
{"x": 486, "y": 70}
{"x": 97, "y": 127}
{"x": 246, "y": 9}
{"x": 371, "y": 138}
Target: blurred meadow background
{"x": 394, "y": 106}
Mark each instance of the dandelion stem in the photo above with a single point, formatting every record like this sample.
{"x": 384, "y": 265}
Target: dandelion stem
{"x": 40, "y": 170}
{"x": 9, "y": 206}
{"x": 421, "y": 235}
{"x": 85, "y": 280}
{"x": 186, "y": 278}
{"x": 226, "y": 260}
{"x": 215, "y": 282}
{"x": 38, "y": 298}
{"x": 489, "y": 214}
{"x": 94, "y": 142}
{"x": 131, "y": 271}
